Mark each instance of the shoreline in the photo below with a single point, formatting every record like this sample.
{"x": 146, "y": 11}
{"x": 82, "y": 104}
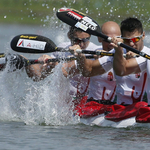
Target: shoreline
{"x": 42, "y": 12}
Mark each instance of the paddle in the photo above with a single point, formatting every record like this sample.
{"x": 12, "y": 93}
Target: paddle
{"x": 32, "y": 61}
{"x": 32, "y": 43}
{"x": 80, "y": 20}
{"x": 19, "y": 62}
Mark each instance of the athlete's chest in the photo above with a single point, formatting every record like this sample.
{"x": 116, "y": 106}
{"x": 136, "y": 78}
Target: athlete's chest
{"x": 132, "y": 78}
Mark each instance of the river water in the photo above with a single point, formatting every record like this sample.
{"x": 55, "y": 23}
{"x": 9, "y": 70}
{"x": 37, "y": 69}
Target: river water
{"x": 35, "y": 116}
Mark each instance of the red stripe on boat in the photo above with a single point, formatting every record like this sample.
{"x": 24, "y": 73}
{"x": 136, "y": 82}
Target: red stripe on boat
{"x": 143, "y": 115}
{"x": 126, "y": 112}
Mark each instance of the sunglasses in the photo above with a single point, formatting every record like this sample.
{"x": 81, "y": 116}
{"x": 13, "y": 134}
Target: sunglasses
{"x": 134, "y": 39}
{"x": 78, "y": 40}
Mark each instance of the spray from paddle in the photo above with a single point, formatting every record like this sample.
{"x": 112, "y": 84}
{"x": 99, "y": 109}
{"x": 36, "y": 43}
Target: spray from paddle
{"x": 36, "y": 103}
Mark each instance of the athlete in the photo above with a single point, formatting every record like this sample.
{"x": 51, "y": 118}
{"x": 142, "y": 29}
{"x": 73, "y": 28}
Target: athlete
{"x": 78, "y": 83}
{"x": 102, "y": 87}
{"x": 134, "y": 38}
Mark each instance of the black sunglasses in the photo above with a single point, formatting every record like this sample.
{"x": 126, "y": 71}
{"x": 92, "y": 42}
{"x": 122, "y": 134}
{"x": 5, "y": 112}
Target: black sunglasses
{"x": 78, "y": 40}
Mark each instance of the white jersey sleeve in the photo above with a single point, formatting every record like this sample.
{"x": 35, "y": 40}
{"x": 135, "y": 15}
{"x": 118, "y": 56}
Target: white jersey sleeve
{"x": 142, "y": 62}
{"x": 148, "y": 81}
{"x": 107, "y": 61}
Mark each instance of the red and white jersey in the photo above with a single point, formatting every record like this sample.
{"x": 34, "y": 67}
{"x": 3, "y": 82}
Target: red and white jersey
{"x": 78, "y": 84}
{"x": 102, "y": 87}
{"x": 144, "y": 65}
{"x": 129, "y": 89}
{"x": 148, "y": 80}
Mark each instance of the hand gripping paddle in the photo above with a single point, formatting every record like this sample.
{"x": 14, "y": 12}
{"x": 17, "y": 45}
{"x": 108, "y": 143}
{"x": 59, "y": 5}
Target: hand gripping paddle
{"x": 81, "y": 21}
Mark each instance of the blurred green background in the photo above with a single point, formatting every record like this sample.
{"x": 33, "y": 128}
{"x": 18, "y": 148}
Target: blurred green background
{"x": 43, "y": 11}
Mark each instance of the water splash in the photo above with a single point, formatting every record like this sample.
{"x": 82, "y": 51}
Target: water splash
{"x": 21, "y": 99}
{"x": 46, "y": 102}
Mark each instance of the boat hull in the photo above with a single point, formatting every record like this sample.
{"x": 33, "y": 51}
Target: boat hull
{"x": 100, "y": 120}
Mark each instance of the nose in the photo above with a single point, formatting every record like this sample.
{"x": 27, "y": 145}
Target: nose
{"x": 131, "y": 43}
{"x": 81, "y": 44}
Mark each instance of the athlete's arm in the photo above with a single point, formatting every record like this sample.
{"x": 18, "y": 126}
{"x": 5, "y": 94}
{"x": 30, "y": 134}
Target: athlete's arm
{"x": 69, "y": 69}
{"x": 87, "y": 67}
{"x": 124, "y": 66}
{"x": 40, "y": 71}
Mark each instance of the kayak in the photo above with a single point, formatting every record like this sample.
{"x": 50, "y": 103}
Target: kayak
{"x": 114, "y": 115}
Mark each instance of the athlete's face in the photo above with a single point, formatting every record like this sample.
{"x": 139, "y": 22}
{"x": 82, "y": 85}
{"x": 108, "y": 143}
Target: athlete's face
{"x": 106, "y": 45}
{"x": 111, "y": 29}
{"x": 134, "y": 39}
{"x": 81, "y": 38}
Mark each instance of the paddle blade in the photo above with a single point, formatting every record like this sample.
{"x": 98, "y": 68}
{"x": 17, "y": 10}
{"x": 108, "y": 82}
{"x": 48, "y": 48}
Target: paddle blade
{"x": 79, "y": 20}
{"x": 31, "y": 43}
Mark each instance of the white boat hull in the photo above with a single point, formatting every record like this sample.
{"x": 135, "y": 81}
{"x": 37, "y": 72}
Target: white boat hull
{"x": 100, "y": 120}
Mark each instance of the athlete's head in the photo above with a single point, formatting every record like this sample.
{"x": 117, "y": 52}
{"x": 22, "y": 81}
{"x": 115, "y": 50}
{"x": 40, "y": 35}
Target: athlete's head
{"x": 132, "y": 33}
{"x": 79, "y": 37}
{"x": 130, "y": 25}
{"x": 110, "y": 29}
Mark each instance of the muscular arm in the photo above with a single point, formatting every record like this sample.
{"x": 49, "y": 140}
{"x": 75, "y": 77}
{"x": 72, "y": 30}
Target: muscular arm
{"x": 89, "y": 67}
{"x": 123, "y": 66}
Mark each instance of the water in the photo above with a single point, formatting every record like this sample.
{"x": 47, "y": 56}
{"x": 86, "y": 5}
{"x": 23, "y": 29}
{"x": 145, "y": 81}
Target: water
{"x": 35, "y": 116}
{"x": 15, "y": 135}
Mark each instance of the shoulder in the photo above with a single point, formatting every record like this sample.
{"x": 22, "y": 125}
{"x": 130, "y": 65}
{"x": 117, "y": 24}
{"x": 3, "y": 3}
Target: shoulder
{"x": 146, "y": 50}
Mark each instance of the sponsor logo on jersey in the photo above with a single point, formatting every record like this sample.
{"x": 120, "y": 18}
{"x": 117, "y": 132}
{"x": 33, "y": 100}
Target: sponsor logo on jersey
{"x": 110, "y": 76}
{"x": 137, "y": 75}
